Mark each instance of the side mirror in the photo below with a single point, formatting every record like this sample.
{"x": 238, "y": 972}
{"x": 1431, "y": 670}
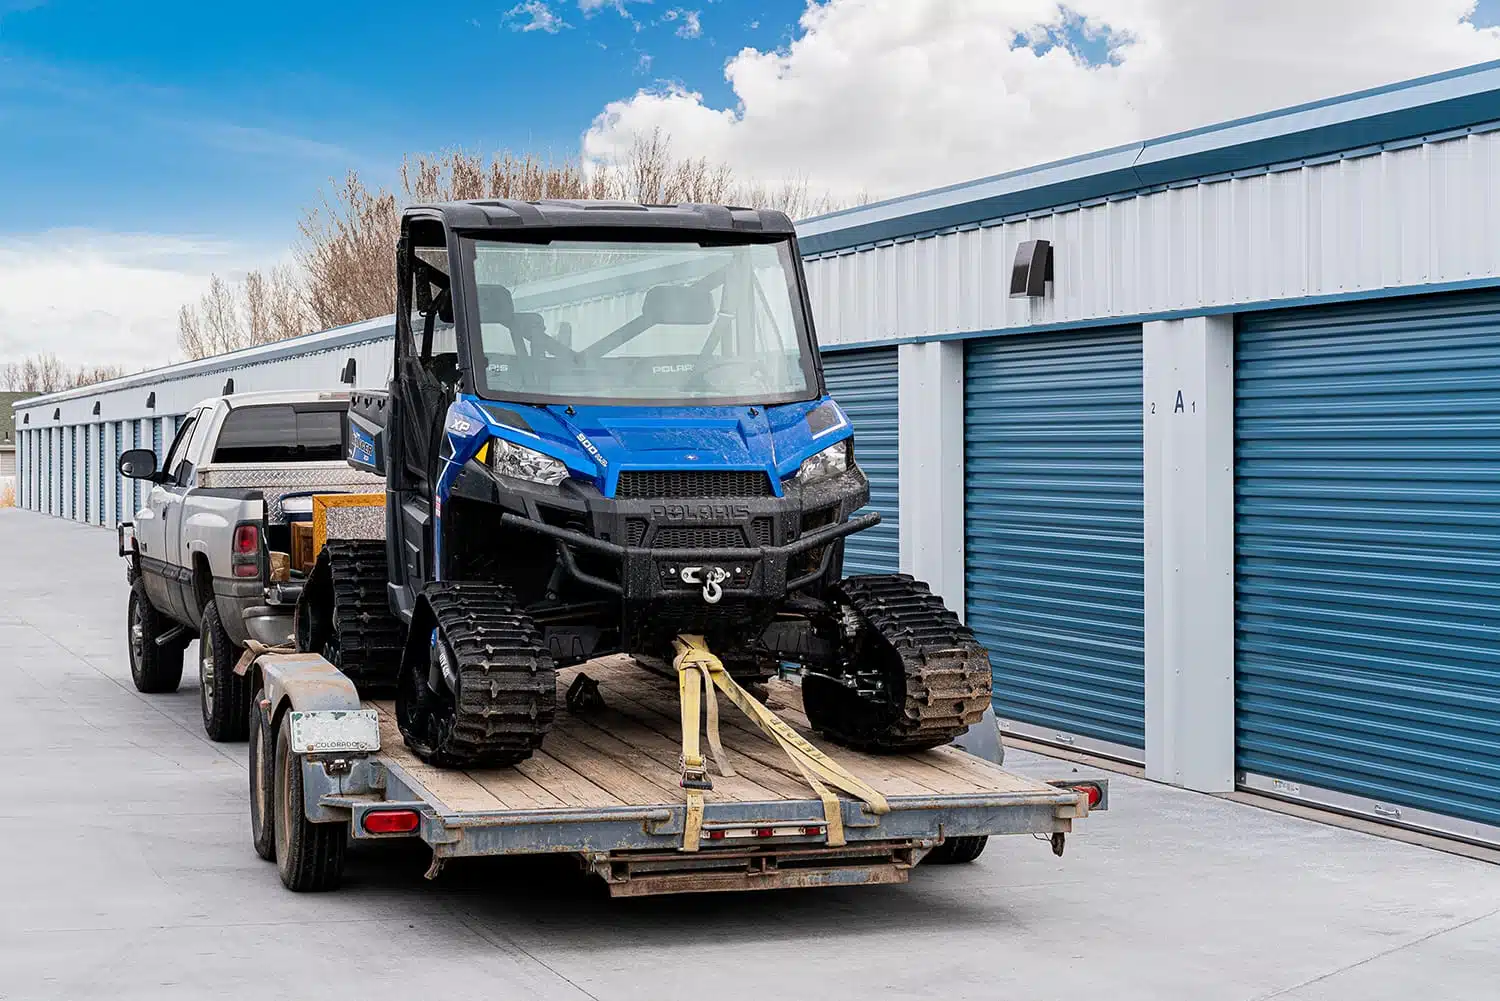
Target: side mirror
{"x": 138, "y": 463}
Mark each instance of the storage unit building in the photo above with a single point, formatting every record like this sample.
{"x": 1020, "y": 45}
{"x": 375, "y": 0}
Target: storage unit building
{"x": 1220, "y": 488}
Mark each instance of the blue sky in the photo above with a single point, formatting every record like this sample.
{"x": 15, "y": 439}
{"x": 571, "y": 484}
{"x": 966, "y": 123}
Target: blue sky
{"x": 147, "y": 145}
{"x": 226, "y": 119}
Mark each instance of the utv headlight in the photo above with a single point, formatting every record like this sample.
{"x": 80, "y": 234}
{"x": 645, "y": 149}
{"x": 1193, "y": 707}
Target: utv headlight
{"x": 832, "y": 461}
{"x": 509, "y": 459}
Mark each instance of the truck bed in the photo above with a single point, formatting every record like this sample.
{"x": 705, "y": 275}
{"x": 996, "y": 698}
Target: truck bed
{"x": 604, "y": 786}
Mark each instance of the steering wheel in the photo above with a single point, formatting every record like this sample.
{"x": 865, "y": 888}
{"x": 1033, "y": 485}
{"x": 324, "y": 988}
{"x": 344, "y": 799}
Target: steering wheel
{"x": 702, "y": 370}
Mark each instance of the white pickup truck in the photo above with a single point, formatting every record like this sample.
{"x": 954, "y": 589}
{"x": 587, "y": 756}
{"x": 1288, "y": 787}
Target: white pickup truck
{"x": 241, "y": 469}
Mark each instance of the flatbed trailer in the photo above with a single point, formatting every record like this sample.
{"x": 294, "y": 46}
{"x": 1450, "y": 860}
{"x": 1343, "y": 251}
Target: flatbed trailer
{"x": 605, "y": 787}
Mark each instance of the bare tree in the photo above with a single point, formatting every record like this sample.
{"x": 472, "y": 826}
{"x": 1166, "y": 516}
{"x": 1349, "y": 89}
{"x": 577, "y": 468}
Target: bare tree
{"x": 266, "y": 306}
{"x": 346, "y": 257}
{"x": 44, "y": 373}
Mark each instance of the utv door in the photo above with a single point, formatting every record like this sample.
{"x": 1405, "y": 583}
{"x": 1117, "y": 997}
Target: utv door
{"x": 426, "y": 380}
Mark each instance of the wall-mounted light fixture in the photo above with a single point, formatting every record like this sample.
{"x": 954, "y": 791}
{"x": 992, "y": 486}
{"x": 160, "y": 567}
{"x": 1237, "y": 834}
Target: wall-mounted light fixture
{"x": 96, "y": 408}
{"x": 57, "y": 414}
{"x": 151, "y": 401}
{"x": 228, "y": 386}
{"x": 26, "y": 419}
{"x": 1033, "y": 269}
{"x": 347, "y": 376}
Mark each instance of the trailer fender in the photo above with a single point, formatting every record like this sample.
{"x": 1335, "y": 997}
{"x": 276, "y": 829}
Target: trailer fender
{"x": 305, "y": 682}
{"x": 308, "y": 683}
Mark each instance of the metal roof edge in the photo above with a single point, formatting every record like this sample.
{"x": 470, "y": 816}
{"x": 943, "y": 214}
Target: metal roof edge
{"x": 319, "y": 340}
{"x": 1437, "y": 103}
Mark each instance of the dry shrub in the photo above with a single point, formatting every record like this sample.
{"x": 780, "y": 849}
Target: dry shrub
{"x": 7, "y": 495}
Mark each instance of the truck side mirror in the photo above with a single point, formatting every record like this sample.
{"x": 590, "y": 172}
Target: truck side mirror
{"x": 138, "y": 463}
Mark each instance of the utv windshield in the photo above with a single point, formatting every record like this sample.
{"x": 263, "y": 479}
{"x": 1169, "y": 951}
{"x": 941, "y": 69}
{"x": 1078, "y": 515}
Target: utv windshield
{"x": 649, "y": 322}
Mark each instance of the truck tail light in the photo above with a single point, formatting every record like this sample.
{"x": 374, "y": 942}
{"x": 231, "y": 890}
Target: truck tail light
{"x": 245, "y": 550}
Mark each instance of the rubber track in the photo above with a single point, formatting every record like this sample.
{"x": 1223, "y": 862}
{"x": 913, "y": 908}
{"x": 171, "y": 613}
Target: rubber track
{"x": 947, "y": 671}
{"x": 368, "y": 637}
{"x": 507, "y": 695}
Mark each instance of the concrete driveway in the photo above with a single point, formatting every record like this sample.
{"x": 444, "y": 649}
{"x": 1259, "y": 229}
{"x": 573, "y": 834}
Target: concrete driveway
{"x": 130, "y": 875}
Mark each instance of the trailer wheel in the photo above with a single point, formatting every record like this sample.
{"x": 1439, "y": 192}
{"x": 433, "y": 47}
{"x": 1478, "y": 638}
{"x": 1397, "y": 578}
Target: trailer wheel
{"x": 223, "y": 695}
{"x": 155, "y": 670}
{"x": 958, "y": 851}
{"x": 309, "y": 856}
{"x": 262, "y": 780}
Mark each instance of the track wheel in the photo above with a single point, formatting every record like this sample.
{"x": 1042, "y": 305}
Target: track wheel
{"x": 223, "y": 695}
{"x": 155, "y": 670}
{"x": 957, "y": 851}
{"x": 912, "y": 676}
{"x": 480, "y": 690}
{"x": 262, "y": 780}
{"x": 309, "y": 856}
{"x": 345, "y": 615}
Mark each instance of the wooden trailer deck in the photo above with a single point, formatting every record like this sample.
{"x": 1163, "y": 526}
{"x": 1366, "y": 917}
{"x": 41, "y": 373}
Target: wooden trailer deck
{"x": 628, "y": 754}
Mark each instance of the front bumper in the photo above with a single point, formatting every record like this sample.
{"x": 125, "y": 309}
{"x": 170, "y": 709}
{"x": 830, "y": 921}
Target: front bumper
{"x": 652, "y": 573}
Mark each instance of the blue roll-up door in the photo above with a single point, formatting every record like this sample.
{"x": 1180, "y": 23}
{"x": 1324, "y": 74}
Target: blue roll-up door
{"x": 1367, "y": 640}
{"x": 865, "y": 385}
{"x": 1054, "y": 531}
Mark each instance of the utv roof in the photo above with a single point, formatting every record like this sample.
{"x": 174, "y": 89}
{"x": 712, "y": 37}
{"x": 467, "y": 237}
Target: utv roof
{"x": 505, "y": 214}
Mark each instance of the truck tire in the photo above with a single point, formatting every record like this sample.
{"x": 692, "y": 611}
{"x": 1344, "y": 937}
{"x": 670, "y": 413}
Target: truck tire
{"x": 156, "y": 670}
{"x": 920, "y": 678}
{"x": 958, "y": 851}
{"x": 310, "y": 857}
{"x": 223, "y": 695}
{"x": 262, "y": 780}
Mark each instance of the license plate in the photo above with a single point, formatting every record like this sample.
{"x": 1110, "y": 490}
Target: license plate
{"x": 332, "y": 730}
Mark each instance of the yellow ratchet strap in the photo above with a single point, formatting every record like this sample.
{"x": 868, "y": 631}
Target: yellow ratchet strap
{"x": 816, "y": 768}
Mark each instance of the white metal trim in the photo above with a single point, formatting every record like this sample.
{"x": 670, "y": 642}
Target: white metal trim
{"x": 1395, "y": 815}
{"x": 1072, "y": 741}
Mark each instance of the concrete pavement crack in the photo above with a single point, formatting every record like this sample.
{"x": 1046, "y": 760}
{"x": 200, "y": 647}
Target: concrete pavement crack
{"x": 1379, "y": 955}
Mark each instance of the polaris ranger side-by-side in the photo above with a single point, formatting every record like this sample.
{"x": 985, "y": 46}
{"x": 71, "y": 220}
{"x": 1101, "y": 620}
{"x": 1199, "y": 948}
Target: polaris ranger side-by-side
{"x": 608, "y": 433}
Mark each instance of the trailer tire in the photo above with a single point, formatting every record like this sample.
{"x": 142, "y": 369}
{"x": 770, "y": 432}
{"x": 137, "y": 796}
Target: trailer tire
{"x": 958, "y": 851}
{"x": 155, "y": 670}
{"x": 223, "y": 695}
{"x": 310, "y": 857}
{"x": 262, "y": 780}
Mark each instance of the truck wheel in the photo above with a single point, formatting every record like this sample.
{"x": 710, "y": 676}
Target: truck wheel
{"x": 223, "y": 695}
{"x": 155, "y": 670}
{"x": 310, "y": 857}
{"x": 957, "y": 851}
{"x": 262, "y": 806}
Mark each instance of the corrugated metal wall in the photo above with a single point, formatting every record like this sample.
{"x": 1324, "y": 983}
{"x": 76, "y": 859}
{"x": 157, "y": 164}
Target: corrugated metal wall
{"x": 1054, "y": 528}
{"x": 1368, "y": 551}
{"x": 865, "y": 384}
{"x": 1410, "y": 216}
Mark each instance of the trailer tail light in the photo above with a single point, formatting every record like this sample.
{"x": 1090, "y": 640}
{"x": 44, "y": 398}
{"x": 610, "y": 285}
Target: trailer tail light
{"x": 245, "y": 550}
{"x": 1094, "y": 794}
{"x": 391, "y": 821}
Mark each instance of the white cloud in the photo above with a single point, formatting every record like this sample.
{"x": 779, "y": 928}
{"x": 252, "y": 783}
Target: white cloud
{"x": 534, "y": 15}
{"x": 887, "y": 96}
{"x": 692, "y": 24}
{"x": 106, "y": 298}
{"x": 592, "y": 7}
